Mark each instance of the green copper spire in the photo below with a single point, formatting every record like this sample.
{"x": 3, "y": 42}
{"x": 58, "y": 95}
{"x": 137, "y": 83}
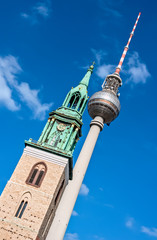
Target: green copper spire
{"x": 85, "y": 80}
{"x": 63, "y": 128}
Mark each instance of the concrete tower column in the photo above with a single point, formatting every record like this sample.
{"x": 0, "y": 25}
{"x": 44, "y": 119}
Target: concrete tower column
{"x": 71, "y": 192}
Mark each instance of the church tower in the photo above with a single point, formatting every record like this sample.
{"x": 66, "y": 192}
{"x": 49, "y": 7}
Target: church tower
{"x": 31, "y": 196}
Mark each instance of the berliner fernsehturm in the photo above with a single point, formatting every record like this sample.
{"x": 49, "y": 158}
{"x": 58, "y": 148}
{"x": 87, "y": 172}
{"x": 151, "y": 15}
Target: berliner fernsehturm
{"x": 103, "y": 107}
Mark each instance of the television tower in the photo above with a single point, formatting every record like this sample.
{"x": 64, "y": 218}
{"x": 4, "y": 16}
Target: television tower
{"x": 103, "y": 107}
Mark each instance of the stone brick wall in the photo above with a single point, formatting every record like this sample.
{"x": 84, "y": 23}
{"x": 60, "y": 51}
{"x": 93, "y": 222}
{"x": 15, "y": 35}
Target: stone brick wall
{"x": 40, "y": 210}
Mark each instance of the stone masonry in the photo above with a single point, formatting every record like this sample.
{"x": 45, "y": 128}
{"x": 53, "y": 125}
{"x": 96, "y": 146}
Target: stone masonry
{"x": 41, "y": 207}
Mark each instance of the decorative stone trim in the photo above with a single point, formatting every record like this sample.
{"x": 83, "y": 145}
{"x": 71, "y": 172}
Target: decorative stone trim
{"x": 32, "y": 189}
{"x": 17, "y": 224}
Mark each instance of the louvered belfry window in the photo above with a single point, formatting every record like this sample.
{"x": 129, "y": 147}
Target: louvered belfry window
{"x": 37, "y": 174}
{"x": 74, "y": 100}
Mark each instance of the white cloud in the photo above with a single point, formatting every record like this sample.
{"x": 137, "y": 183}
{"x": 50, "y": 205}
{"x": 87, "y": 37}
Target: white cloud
{"x": 99, "y": 54}
{"x": 6, "y": 98}
{"x": 149, "y": 231}
{"x": 9, "y": 69}
{"x": 108, "y": 205}
{"x": 71, "y": 236}
{"x": 114, "y": 2}
{"x": 30, "y": 97}
{"x": 41, "y": 9}
{"x": 101, "y": 189}
{"x": 84, "y": 190}
{"x": 109, "y": 9}
{"x": 74, "y": 213}
{"x": 98, "y": 237}
{"x": 112, "y": 12}
{"x": 105, "y": 69}
{"x": 137, "y": 70}
{"x": 25, "y": 15}
{"x": 102, "y": 69}
{"x": 32, "y": 18}
{"x": 130, "y": 222}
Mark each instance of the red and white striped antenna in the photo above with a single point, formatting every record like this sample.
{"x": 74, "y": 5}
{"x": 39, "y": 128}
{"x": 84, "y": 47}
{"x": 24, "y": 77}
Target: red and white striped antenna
{"x": 126, "y": 47}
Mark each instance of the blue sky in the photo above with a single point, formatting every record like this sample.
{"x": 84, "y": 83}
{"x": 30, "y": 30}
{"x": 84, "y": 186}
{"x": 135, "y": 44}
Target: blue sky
{"x": 45, "y": 49}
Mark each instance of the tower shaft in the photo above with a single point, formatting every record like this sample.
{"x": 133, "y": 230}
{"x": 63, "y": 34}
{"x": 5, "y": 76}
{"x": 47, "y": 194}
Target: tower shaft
{"x": 63, "y": 213}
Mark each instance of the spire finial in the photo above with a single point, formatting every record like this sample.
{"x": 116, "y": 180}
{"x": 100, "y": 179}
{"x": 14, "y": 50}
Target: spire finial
{"x": 92, "y": 66}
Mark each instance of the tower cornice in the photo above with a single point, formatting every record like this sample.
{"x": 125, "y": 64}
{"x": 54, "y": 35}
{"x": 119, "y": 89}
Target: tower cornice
{"x": 37, "y": 145}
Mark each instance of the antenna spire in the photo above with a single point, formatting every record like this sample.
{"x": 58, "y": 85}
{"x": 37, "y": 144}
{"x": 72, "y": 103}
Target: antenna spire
{"x": 126, "y": 47}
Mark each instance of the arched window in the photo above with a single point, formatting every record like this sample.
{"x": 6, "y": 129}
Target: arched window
{"x": 37, "y": 174}
{"x": 22, "y": 206}
{"x": 81, "y": 103}
{"x": 74, "y": 100}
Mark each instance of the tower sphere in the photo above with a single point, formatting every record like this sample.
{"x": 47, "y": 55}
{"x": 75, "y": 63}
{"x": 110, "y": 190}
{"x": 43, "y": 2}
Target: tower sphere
{"x": 106, "y": 103}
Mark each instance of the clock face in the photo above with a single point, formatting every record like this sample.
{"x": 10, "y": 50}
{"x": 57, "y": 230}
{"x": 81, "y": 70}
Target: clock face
{"x": 61, "y": 127}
